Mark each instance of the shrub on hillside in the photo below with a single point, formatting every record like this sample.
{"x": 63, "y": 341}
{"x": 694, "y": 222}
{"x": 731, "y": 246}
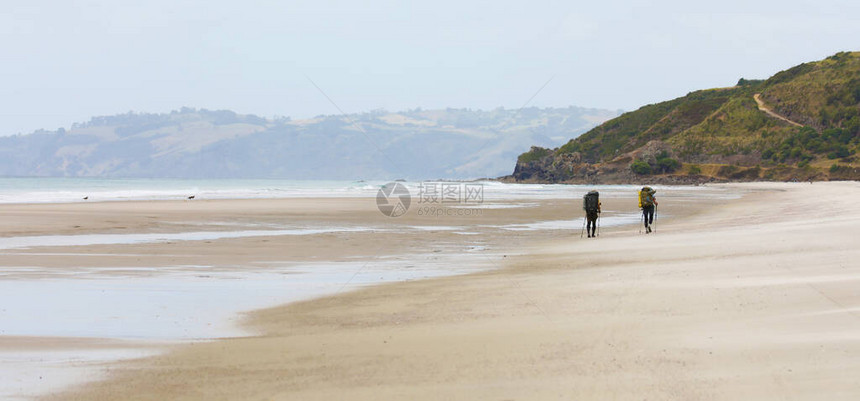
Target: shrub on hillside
{"x": 694, "y": 169}
{"x": 747, "y": 82}
{"x": 838, "y": 151}
{"x": 727, "y": 170}
{"x": 841, "y": 171}
{"x": 667, "y": 164}
{"x": 640, "y": 167}
{"x": 534, "y": 154}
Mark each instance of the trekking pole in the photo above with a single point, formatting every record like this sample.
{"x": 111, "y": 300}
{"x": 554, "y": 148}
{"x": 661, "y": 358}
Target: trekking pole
{"x": 583, "y": 228}
{"x": 655, "y": 218}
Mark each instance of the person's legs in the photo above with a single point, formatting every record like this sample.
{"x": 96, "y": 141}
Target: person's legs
{"x": 649, "y": 217}
{"x": 592, "y": 224}
{"x": 648, "y": 213}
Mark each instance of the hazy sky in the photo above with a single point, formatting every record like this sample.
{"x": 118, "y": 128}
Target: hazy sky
{"x": 64, "y": 61}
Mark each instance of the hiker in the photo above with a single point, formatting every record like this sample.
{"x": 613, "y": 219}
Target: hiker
{"x": 648, "y": 203}
{"x": 591, "y": 205}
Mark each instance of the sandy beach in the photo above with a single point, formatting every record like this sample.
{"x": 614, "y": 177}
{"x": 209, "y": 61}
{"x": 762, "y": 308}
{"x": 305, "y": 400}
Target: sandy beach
{"x": 752, "y": 298}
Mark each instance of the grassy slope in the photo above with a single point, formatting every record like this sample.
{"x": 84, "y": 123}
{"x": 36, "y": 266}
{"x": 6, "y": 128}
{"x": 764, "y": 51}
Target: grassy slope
{"x": 724, "y": 126}
{"x": 825, "y": 94}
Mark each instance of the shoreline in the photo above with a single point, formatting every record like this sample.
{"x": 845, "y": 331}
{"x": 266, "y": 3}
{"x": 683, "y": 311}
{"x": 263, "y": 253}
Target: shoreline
{"x": 541, "y": 247}
{"x": 316, "y": 299}
{"x": 110, "y": 260}
{"x": 595, "y": 322}
{"x": 252, "y": 191}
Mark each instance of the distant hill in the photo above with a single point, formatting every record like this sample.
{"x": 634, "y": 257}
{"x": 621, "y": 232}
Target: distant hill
{"x": 800, "y": 124}
{"x": 191, "y": 143}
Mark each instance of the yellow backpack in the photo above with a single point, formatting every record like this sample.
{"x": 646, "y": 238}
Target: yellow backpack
{"x": 645, "y": 197}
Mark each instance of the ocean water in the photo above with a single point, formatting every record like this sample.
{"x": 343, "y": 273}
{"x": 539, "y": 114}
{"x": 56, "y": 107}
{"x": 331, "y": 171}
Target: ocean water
{"x": 64, "y": 190}
{"x": 67, "y": 190}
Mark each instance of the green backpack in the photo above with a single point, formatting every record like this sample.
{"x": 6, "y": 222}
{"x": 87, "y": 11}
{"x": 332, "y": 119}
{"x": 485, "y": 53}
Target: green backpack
{"x": 646, "y": 197}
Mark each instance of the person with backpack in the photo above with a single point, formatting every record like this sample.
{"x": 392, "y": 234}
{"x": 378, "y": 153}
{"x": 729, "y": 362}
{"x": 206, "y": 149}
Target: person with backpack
{"x": 648, "y": 204}
{"x": 591, "y": 205}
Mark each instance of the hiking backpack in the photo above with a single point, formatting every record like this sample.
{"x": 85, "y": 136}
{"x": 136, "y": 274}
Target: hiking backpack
{"x": 591, "y": 202}
{"x": 646, "y": 197}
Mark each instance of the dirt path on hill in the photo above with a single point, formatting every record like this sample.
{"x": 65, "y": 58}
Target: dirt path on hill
{"x": 762, "y": 107}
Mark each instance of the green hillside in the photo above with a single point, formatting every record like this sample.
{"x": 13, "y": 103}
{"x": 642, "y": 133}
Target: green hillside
{"x": 807, "y": 127}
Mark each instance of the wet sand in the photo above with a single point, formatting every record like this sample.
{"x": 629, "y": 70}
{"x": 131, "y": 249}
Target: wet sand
{"x": 87, "y": 283}
{"x": 753, "y": 298}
